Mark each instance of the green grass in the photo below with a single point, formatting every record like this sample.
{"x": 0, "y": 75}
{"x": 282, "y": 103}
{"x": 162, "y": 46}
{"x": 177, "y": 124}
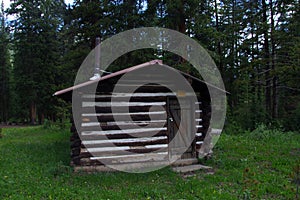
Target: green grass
{"x": 34, "y": 164}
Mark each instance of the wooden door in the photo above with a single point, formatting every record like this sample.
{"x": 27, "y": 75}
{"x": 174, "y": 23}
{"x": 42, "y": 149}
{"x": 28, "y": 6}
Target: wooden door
{"x": 181, "y": 128}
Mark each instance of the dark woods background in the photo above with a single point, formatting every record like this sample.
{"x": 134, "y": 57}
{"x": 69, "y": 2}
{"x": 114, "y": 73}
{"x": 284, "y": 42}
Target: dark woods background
{"x": 255, "y": 44}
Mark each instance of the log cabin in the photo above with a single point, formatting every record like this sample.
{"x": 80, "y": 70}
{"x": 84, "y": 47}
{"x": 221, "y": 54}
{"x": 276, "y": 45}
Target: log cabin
{"x": 135, "y": 127}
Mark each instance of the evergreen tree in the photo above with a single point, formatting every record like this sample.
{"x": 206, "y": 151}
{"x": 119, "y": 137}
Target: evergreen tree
{"x": 36, "y": 53}
{"x": 4, "y": 68}
{"x": 255, "y": 45}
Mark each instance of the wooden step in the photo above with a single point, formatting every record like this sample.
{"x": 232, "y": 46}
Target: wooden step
{"x": 190, "y": 168}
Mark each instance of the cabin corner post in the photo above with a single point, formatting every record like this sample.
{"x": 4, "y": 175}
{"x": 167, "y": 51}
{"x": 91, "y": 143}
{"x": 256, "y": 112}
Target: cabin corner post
{"x": 75, "y": 140}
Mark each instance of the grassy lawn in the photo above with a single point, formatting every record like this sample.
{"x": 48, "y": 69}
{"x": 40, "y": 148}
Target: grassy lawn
{"x": 259, "y": 165}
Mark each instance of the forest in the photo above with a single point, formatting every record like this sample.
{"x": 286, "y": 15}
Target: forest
{"x": 255, "y": 45}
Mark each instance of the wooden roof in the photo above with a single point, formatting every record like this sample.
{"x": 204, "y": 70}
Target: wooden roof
{"x": 121, "y": 72}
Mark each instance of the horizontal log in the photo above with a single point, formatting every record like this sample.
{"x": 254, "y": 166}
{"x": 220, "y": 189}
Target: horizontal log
{"x": 124, "y": 135}
{"x": 126, "y": 131}
{"x": 127, "y": 94}
{"x": 125, "y": 159}
{"x": 117, "y": 114}
{"x": 105, "y": 88}
{"x": 129, "y": 167}
{"x": 132, "y": 97}
{"x": 123, "y": 148}
{"x": 124, "y": 123}
{"x": 121, "y": 126}
{"x": 200, "y": 138}
{"x": 150, "y": 158}
{"x": 121, "y": 104}
{"x": 107, "y": 98}
{"x": 94, "y": 134}
{"x": 126, "y": 142}
{"x": 92, "y": 95}
{"x": 144, "y": 80}
{"x": 120, "y": 151}
{"x": 126, "y": 117}
{"x": 123, "y": 109}
{"x": 200, "y": 129}
{"x": 198, "y": 145}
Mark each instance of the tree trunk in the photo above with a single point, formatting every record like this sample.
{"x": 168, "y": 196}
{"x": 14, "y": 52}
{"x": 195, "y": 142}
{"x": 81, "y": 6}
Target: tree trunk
{"x": 219, "y": 49}
{"x": 267, "y": 59}
{"x": 41, "y": 118}
{"x": 33, "y": 113}
{"x": 274, "y": 89}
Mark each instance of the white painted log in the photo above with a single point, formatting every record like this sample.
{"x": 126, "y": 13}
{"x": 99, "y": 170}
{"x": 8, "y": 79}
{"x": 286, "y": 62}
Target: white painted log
{"x": 92, "y": 96}
{"x": 126, "y": 131}
{"x": 199, "y": 134}
{"x": 121, "y": 104}
{"x": 127, "y": 140}
{"x": 122, "y": 148}
{"x": 123, "y": 114}
{"x": 139, "y": 123}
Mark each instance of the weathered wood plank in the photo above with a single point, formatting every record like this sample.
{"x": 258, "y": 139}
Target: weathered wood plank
{"x": 198, "y": 145}
{"x": 124, "y": 135}
{"x": 151, "y": 88}
{"x": 125, "y": 142}
{"x": 127, "y": 116}
{"x": 123, "y": 109}
{"x": 121, "y": 104}
{"x": 126, "y": 94}
{"x": 130, "y": 167}
{"x": 107, "y": 98}
{"x": 105, "y": 126}
{"x": 117, "y": 151}
{"x": 122, "y": 159}
{"x": 126, "y": 131}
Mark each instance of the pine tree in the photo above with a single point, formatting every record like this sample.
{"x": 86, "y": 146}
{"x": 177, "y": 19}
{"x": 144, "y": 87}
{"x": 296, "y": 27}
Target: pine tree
{"x": 36, "y": 52}
{"x": 4, "y": 68}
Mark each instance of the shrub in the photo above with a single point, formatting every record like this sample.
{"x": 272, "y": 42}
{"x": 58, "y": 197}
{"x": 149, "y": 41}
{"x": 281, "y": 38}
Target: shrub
{"x": 295, "y": 119}
{"x": 47, "y": 124}
{"x": 233, "y": 128}
{"x": 264, "y": 132}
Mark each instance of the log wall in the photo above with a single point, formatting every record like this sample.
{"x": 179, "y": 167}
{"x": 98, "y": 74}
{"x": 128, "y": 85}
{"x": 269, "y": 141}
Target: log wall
{"x": 137, "y": 131}
{"x": 143, "y": 139}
